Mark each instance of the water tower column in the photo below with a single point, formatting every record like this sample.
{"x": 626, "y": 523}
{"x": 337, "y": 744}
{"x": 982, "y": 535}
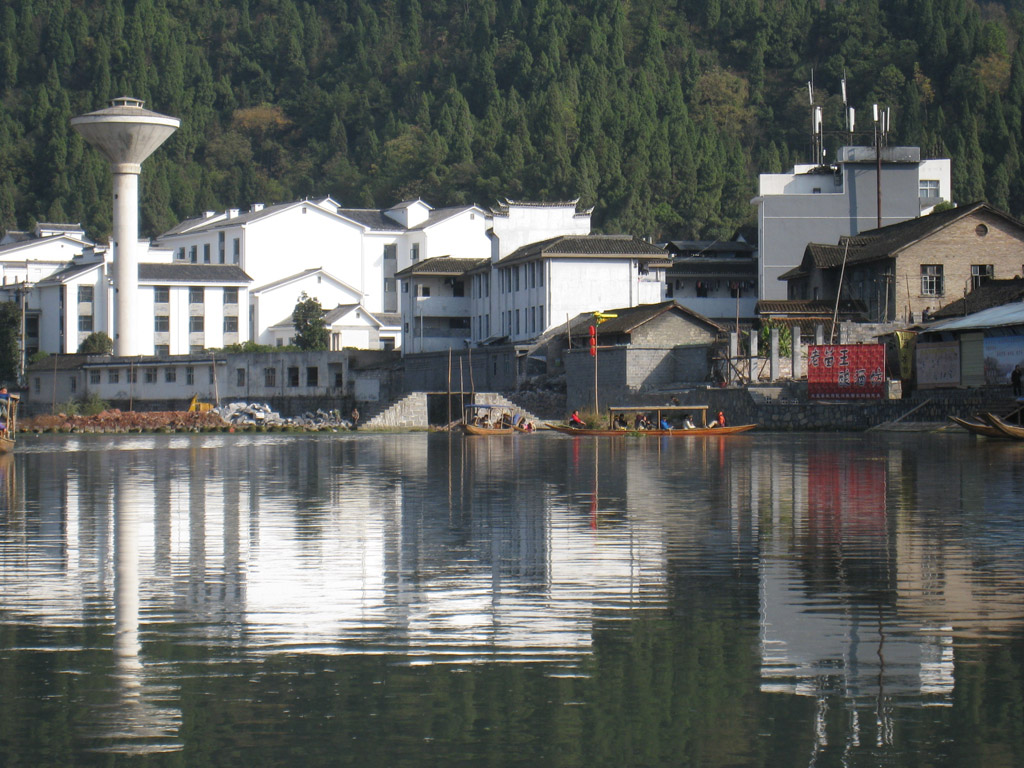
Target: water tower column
{"x": 125, "y": 238}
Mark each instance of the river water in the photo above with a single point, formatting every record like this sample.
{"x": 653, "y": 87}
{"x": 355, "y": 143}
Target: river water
{"x": 424, "y": 599}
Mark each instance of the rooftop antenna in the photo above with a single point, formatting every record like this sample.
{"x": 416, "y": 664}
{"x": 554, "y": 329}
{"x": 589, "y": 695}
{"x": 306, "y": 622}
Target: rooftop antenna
{"x": 817, "y": 143}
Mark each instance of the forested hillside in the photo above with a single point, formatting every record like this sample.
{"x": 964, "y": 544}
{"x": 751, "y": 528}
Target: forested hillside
{"x": 660, "y": 113}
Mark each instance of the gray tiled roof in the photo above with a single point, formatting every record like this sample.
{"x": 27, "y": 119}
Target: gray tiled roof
{"x": 71, "y": 271}
{"x": 441, "y": 265}
{"x": 726, "y": 268}
{"x": 630, "y": 318}
{"x": 193, "y": 273}
{"x": 587, "y": 246}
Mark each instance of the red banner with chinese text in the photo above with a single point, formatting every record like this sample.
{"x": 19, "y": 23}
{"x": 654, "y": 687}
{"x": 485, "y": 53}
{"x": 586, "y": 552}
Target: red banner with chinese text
{"x": 846, "y": 371}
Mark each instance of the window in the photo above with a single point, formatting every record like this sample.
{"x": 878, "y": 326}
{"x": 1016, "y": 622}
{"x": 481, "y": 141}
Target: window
{"x": 85, "y": 294}
{"x": 312, "y": 376}
{"x": 162, "y": 350}
{"x": 405, "y": 287}
{"x": 234, "y": 251}
{"x": 94, "y": 377}
{"x": 458, "y": 323}
{"x": 391, "y": 252}
{"x": 931, "y": 280}
{"x": 195, "y": 349}
{"x": 190, "y": 375}
{"x": 230, "y": 325}
{"x": 533, "y": 274}
{"x": 414, "y": 252}
{"x": 161, "y": 294}
{"x": 270, "y": 377}
{"x": 220, "y": 247}
{"x": 206, "y": 253}
{"x": 170, "y": 375}
{"x": 133, "y": 376}
{"x": 517, "y": 322}
{"x": 193, "y": 254}
{"x": 150, "y": 376}
{"x": 980, "y": 273}
{"x": 73, "y": 383}
{"x": 195, "y": 295}
{"x": 928, "y": 188}
{"x": 180, "y": 254}
{"x": 197, "y": 324}
{"x": 458, "y": 288}
{"x": 540, "y": 317}
{"x": 212, "y": 375}
{"x": 113, "y": 377}
{"x": 230, "y": 295}
{"x": 293, "y": 376}
{"x": 515, "y": 278}
{"x": 389, "y": 285}
{"x": 240, "y": 377}
{"x": 162, "y": 324}
{"x": 37, "y": 385}
{"x": 339, "y": 380}
{"x": 85, "y": 323}
{"x": 533, "y": 319}
{"x": 423, "y": 290}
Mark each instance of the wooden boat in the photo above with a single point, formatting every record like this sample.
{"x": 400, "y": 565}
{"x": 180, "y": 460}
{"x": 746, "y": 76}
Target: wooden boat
{"x": 695, "y": 432}
{"x": 481, "y": 419}
{"x": 617, "y": 413}
{"x": 8, "y": 421}
{"x": 977, "y": 427}
{"x": 1005, "y": 428}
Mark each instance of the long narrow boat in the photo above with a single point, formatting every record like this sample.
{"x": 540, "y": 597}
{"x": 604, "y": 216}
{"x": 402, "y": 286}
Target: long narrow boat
{"x": 977, "y": 428}
{"x": 8, "y": 421}
{"x": 618, "y": 414}
{"x": 695, "y": 432}
{"x": 1004, "y": 427}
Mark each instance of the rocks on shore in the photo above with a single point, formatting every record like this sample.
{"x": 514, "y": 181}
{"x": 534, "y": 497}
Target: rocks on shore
{"x": 242, "y": 416}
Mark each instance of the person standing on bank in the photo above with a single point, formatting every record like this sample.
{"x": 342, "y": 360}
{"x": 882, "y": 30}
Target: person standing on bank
{"x": 355, "y": 417}
{"x": 1015, "y": 380}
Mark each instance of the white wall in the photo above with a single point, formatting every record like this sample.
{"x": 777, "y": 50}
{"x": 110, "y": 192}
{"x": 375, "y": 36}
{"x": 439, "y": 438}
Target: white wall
{"x": 276, "y": 304}
{"x": 525, "y": 224}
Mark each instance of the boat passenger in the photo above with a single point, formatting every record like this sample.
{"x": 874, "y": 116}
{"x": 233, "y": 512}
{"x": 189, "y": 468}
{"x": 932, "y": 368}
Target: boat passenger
{"x": 688, "y": 422}
{"x": 638, "y": 421}
{"x": 719, "y": 422}
{"x": 620, "y": 422}
{"x": 575, "y": 421}
{"x": 665, "y": 424}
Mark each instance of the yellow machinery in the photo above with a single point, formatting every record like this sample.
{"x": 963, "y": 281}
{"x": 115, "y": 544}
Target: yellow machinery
{"x": 195, "y": 406}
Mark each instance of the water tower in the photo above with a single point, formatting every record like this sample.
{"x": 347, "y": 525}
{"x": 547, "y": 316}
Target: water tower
{"x": 126, "y": 134}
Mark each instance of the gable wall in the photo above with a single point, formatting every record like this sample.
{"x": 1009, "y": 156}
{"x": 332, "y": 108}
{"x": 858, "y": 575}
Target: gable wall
{"x": 957, "y": 247}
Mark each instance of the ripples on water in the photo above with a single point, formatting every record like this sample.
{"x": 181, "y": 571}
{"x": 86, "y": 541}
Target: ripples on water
{"x": 404, "y": 599}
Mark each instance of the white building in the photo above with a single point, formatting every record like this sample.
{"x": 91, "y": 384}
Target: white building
{"x": 820, "y": 204}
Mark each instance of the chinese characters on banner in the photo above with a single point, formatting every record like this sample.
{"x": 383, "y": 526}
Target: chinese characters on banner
{"x": 846, "y": 371}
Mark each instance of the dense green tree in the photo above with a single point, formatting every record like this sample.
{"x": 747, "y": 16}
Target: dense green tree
{"x": 311, "y": 332}
{"x": 10, "y": 348}
{"x": 97, "y": 343}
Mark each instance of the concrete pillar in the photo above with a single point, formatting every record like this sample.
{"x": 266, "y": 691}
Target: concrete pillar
{"x": 775, "y": 368}
{"x": 752, "y": 374}
{"x": 819, "y": 334}
{"x": 796, "y": 351}
{"x": 734, "y": 353}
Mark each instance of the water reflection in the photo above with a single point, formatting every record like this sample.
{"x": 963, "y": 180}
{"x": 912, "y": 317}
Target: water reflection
{"x": 857, "y": 573}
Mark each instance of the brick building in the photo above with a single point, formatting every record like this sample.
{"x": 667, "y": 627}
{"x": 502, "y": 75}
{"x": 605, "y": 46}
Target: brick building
{"x": 905, "y": 271}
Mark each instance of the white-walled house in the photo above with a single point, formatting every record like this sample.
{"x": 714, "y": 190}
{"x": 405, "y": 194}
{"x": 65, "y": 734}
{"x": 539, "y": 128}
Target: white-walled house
{"x": 280, "y": 246}
{"x": 540, "y": 285}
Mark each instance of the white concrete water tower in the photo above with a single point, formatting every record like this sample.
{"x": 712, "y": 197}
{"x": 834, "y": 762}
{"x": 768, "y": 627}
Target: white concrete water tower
{"x": 126, "y": 134}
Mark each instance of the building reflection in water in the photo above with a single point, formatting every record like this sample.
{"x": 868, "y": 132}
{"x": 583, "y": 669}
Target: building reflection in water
{"x": 443, "y": 549}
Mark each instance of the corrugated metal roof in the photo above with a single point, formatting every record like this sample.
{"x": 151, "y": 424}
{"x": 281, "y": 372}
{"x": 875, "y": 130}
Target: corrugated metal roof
{"x": 995, "y": 317}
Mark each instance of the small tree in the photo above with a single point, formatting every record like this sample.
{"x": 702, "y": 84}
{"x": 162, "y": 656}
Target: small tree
{"x": 10, "y": 332}
{"x": 310, "y": 330}
{"x": 97, "y": 343}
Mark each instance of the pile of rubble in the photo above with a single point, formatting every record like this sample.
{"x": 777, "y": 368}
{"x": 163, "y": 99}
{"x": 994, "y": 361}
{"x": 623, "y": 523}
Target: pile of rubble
{"x": 123, "y": 421}
{"x": 261, "y": 415}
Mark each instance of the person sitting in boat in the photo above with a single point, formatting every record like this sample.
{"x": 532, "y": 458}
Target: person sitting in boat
{"x": 575, "y": 421}
{"x": 638, "y": 421}
{"x": 719, "y": 422}
{"x": 620, "y": 422}
{"x": 688, "y": 422}
{"x": 664, "y": 423}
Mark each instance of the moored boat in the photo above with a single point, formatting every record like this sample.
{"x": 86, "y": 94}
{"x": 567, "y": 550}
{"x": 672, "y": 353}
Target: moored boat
{"x": 479, "y": 419}
{"x": 977, "y": 427}
{"x": 8, "y": 421}
{"x": 1005, "y": 428}
{"x": 663, "y": 414}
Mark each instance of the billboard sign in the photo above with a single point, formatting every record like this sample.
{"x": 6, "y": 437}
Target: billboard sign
{"x": 846, "y": 371}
